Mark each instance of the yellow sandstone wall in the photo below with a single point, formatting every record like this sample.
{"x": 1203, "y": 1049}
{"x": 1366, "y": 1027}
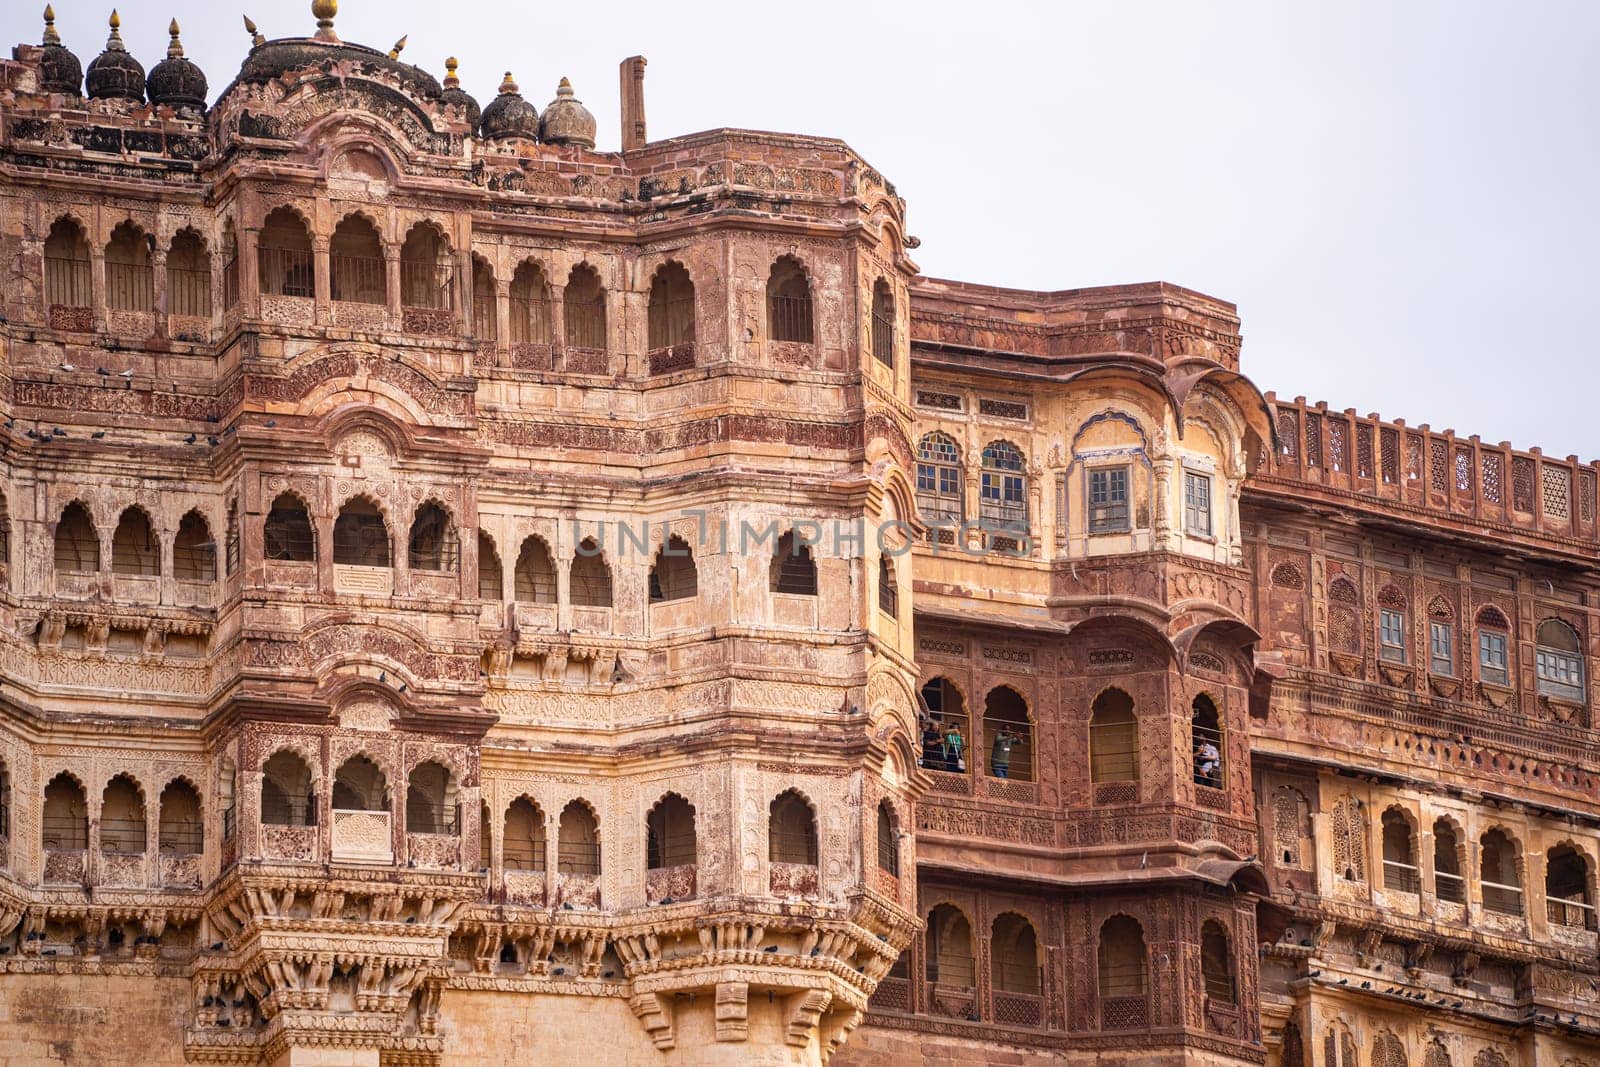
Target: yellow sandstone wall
{"x": 95, "y": 1021}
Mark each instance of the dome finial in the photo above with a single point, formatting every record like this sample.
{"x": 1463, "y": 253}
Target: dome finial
{"x": 508, "y": 84}
{"x": 256, "y": 40}
{"x": 114, "y": 42}
{"x": 50, "y": 34}
{"x": 451, "y": 80}
{"x": 325, "y": 10}
{"x": 399, "y": 46}
{"x": 565, "y": 88}
{"x": 175, "y": 49}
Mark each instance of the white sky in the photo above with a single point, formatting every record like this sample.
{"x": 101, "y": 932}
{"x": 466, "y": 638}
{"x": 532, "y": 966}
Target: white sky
{"x": 1400, "y": 197}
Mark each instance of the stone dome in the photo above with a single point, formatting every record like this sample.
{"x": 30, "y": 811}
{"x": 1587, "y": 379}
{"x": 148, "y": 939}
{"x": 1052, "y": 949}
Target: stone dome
{"x": 175, "y": 81}
{"x": 59, "y": 70}
{"x": 269, "y": 60}
{"x": 455, "y": 95}
{"x": 508, "y": 115}
{"x": 566, "y": 120}
{"x": 115, "y": 74}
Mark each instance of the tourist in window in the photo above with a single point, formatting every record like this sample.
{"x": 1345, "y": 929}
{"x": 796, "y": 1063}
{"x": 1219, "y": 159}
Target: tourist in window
{"x": 1000, "y": 755}
{"x": 953, "y": 744}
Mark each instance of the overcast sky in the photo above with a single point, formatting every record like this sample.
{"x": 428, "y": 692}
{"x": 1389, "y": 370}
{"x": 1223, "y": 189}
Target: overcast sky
{"x": 1400, "y": 197}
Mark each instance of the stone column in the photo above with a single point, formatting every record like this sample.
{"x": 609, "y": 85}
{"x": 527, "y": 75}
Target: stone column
{"x": 1166, "y": 535}
{"x": 502, "y": 317}
{"x": 324, "y": 282}
{"x": 97, "y": 285}
{"x": 391, "y": 287}
{"x": 558, "y": 325}
{"x": 158, "y": 270}
{"x": 250, "y": 274}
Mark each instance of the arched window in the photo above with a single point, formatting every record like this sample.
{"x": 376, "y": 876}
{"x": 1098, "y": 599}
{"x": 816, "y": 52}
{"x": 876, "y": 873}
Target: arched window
{"x": 66, "y": 266}
{"x": 536, "y": 573}
{"x": 283, "y": 255}
{"x": 1441, "y": 638}
{"x": 523, "y": 848}
{"x": 584, "y": 306}
{"x": 77, "y": 544}
{"x": 951, "y": 962}
{"x": 1436, "y": 1056}
{"x": 1113, "y": 739}
{"x": 180, "y": 827}
{"x": 1392, "y": 605}
{"x": 287, "y": 534}
{"x": 66, "y": 815}
{"x": 793, "y": 570}
{"x": 1387, "y": 1051}
{"x": 194, "y": 553}
{"x": 360, "y": 537}
{"x": 1558, "y": 661}
{"x": 789, "y": 302}
{"x": 888, "y": 840}
{"x": 673, "y": 577}
{"x": 671, "y": 316}
{"x": 883, "y": 323}
{"x": 939, "y": 493}
{"x": 1493, "y": 634}
{"x": 791, "y": 830}
{"x": 888, "y": 592}
{"x": 427, "y": 270}
{"x": 357, "y": 274}
{"x": 1349, "y": 840}
{"x": 1568, "y": 894}
{"x": 122, "y": 828}
{"x": 485, "y": 301}
{"x": 1216, "y": 963}
{"x": 189, "y": 276}
{"x": 491, "y": 582}
{"x": 1291, "y": 827}
{"x": 530, "y": 305}
{"x": 1498, "y": 873}
{"x": 130, "y": 279}
{"x": 360, "y": 785}
{"x": 431, "y": 806}
{"x": 1339, "y": 1048}
{"x": 1344, "y": 613}
{"x": 1003, "y": 488}
{"x": 669, "y": 834}
{"x": 134, "y": 549}
{"x": 1447, "y": 881}
{"x": 591, "y": 577}
{"x": 1123, "y": 1003}
{"x": 1014, "y": 956}
{"x": 578, "y": 840}
{"x": 945, "y": 733}
{"x": 1399, "y": 857}
{"x": 434, "y": 544}
{"x": 286, "y": 798}
{"x": 1009, "y": 733}
{"x": 1207, "y": 744}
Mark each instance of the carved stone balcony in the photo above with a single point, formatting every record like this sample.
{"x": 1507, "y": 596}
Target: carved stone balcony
{"x": 362, "y": 837}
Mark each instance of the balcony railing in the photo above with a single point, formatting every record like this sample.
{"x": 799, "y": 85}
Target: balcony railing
{"x": 130, "y": 287}
{"x": 362, "y": 837}
{"x": 1450, "y": 887}
{"x": 1399, "y": 876}
{"x": 287, "y": 272}
{"x": 1570, "y": 913}
{"x": 1502, "y": 899}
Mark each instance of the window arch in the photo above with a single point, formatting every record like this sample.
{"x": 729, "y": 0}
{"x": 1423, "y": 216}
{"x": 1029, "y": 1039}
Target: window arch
{"x": 789, "y": 302}
{"x": 1009, "y": 732}
{"x": 888, "y": 591}
{"x": 360, "y": 785}
{"x": 1339, "y": 1048}
{"x": 179, "y": 832}
{"x": 670, "y": 834}
{"x": 1447, "y": 881}
{"x": 530, "y": 305}
{"x": 491, "y": 579}
{"x": 791, "y": 830}
{"x": 945, "y": 733}
{"x": 1494, "y": 634}
{"x": 1392, "y": 624}
{"x": 485, "y": 301}
{"x": 1113, "y": 738}
{"x": 1399, "y": 855}
{"x": 578, "y": 840}
{"x": 883, "y": 323}
{"x": 286, "y": 798}
{"x": 287, "y": 534}
{"x": 283, "y": 256}
{"x": 435, "y": 546}
{"x": 536, "y": 573}
{"x": 793, "y": 570}
{"x": 66, "y": 266}
{"x": 1499, "y": 874}
{"x": 1349, "y": 840}
{"x": 1207, "y": 743}
{"x": 1003, "y": 487}
{"x": 360, "y": 536}
{"x": 432, "y": 804}
{"x": 1568, "y": 888}
{"x": 130, "y": 278}
{"x": 66, "y": 815}
{"x": 427, "y": 269}
{"x": 122, "y": 821}
{"x": 1344, "y": 627}
{"x": 1387, "y": 1051}
{"x": 1436, "y": 1056}
{"x": 671, "y": 312}
{"x": 357, "y": 273}
{"x": 1558, "y": 661}
{"x": 1216, "y": 963}
{"x": 584, "y": 306}
{"x": 523, "y": 847}
{"x": 77, "y": 545}
{"x": 1291, "y": 827}
{"x": 888, "y": 839}
{"x": 189, "y": 275}
{"x": 673, "y": 575}
{"x": 194, "y": 553}
{"x": 939, "y": 491}
{"x": 1123, "y": 1003}
{"x": 591, "y": 577}
{"x": 950, "y": 959}
{"x": 1014, "y": 956}
{"x": 134, "y": 548}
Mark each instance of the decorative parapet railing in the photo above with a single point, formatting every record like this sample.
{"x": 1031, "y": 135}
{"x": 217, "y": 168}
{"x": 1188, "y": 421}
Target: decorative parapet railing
{"x": 1419, "y": 468}
{"x": 362, "y": 837}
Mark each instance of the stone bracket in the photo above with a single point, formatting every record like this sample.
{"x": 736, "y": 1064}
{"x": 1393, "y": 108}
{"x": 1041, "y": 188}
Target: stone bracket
{"x": 733, "y": 1011}
{"x": 804, "y": 1011}
{"x": 654, "y": 1012}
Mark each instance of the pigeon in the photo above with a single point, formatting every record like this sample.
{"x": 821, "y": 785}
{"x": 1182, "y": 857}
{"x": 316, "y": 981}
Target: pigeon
{"x": 98, "y": 434}
{"x": 102, "y": 372}
{"x": 190, "y": 439}
{"x": 125, "y": 373}
{"x": 69, "y": 368}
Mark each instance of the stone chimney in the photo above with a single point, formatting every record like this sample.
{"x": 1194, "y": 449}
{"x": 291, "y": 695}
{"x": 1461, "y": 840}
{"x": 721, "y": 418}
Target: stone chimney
{"x": 633, "y": 133}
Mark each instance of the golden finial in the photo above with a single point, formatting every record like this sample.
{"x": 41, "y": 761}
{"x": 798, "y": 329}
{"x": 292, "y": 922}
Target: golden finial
{"x": 114, "y": 42}
{"x": 256, "y": 40}
{"x": 451, "y": 81}
{"x": 50, "y": 34}
{"x": 509, "y": 85}
{"x": 399, "y": 46}
{"x": 116, "y": 20}
{"x": 565, "y": 88}
{"x": 175, "y": 49}
{"x": 325, "y": 10}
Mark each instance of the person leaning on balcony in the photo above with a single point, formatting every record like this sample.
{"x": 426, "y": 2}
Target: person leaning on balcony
{"x": 953, "y": 744}
{"x": 1000, "y": 755}
{"x": 932, "y": 746}
{"x": 1206, "y": 761}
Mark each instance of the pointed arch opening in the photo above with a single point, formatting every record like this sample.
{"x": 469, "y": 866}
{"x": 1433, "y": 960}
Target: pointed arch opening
{"x": 360, "y": 536}
{"x": 189, "y": 276}
{"x": 66, "y": 266}
{"x": 1558, "y": 661}
{"x": 1448, "y": 884}
{"x": 1114, "y": 740}
{"x": 1123, "y": 983}
{"x": 432, "y": 802}
{"x": 1216, "y": 964}
{"x": 1207, "y": 744}
{"x": 434, "y": 544}
{"x": 883, "y": 323}
{"x": 945, "y": 731}
{"x": 356, "y": 271}
{"x": 491, "y": 577}
{"x": 791, "y": 830}
{"x": 671, "y": 311}
{"x": 939, "y": 483}
{"x": 1499, "y": 873}
{"x": 590, "y": 577}
{"x": 1014, "y": 963}
{"x": 673, "y": 575}
{"x": 583, "y": 306}
{"x": 793, "y": 571}
{"x": 536, "y": 573}
{"x": 77, "y": 544}
{"x": 194, "y": 553}
{"x": 360, "y": 785}
{"x": 1569, "y": 889}
{"x": 287, "y": 534}
{"x": 285, "y": 264}
{"x": 523, "y": 846}
{"x": 789, "y": 302}
{"x": 1003, "y": 488}
{"x": 1494, "y": 635}
{"x": 485, "y": 301}
{"x": 135, "y": 552}
{"x": 888, "y": 839}
{"x": 130, "y": 277}
{"x": 1399, "y": 852}
{"x": 578, "y": 840}
{"x": 122, "y": 818}
{"x": 427, "y": 269}
{"x": 180, "y": 831}
{"x": 286, "y": 798}
{"x": 1009, "y": 732}
{"x": 66, "y": 815}
{"x": 530, "y": 305}
{"x": 951, "y": 961}
{"x": 888, "y": 588}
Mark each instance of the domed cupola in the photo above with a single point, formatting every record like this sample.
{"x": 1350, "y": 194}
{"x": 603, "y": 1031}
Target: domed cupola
{"x": 115, "y": 74}
{"x": 509, "y": 116}
{"x": 59, "y": 70}
{"x": 566, "y": 120}
{"x": 175, "y": 81}
{"x": 454, "y": 95}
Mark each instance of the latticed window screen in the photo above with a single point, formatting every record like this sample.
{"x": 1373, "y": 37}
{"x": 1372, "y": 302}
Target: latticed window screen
{"x": 1436, "y": 1056}
{"x": 1493, "y": 477}
{"x": 1438, "y": 464}
{"x": 1289, "y": 435}
{"x": 1349, "y": 840}
{"x": 1336, "y": 452}
{"x": 1522, "y": 483}
{"x": 1288, "y": 820}
{"x": 1313, "y": 440}
{"x": 1364, "y": 450}
{"x": 1463, "y": 470}
{"x": 1557, "y": 492}
{"x": 1060, "y": 487}
{"x": 1389, "y": 455}
{"x": 1387, "y": 1051}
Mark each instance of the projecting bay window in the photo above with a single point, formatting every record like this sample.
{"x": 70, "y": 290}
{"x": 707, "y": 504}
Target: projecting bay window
{"x": 1441, "y": 649}
{"x": 1392, "y": 635}
{"x": 1108, "y": 500}
{"x": 1197, "y": 504}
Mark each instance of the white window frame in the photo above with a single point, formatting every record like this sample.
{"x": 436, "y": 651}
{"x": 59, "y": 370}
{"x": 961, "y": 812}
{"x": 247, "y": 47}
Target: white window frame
{"x": 1392, "y": 635}
{"x": 1441, "y": 653}
{"x": 1109, "y": 471}
{"x": 1493, "y": 663}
